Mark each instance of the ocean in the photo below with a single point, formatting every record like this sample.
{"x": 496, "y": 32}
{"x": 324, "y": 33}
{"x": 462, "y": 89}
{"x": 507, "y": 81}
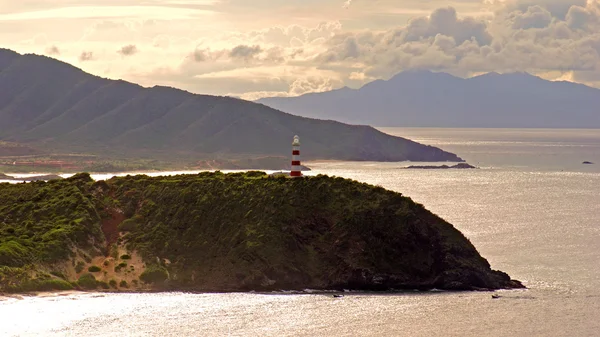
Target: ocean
{"x": 532, "y": 209}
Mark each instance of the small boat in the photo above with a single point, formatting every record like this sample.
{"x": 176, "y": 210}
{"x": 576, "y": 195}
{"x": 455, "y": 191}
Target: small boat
{"x": 338, "y": 296}
{"x": 494, "y": 296}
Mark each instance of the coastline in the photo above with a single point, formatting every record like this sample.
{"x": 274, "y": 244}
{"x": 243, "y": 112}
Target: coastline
{"x": 60, "y": 293}
{"x": 345, "y": 292}
{"x": 307, "y": 166}
{"x": 41, "y": 294}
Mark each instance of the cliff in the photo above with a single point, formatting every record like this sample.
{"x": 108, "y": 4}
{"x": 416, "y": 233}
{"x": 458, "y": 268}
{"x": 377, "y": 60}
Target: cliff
{"x": 229, "y": 232}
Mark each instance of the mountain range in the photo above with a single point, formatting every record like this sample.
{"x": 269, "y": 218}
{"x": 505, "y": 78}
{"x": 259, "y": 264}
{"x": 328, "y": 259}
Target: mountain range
{"x": 429, "y": 99}
{"x": 48, "y": 104}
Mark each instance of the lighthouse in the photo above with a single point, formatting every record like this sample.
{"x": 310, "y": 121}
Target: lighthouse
{"x": 296, "y": 168}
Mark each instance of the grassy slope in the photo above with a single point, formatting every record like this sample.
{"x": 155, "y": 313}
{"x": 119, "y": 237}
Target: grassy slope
{"x": 41, "y": 224}
{"x": 217, "y": 232}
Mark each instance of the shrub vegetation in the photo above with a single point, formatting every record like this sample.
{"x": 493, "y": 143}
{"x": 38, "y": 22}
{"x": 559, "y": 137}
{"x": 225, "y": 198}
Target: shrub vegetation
{"x": 154, "y": 274}
{"x": 87, "y": 281}
{"x": 79, "y": 267}
{"x": 236, "y": 232}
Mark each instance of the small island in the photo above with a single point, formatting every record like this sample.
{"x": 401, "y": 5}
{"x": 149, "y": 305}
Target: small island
{"x": 215, "y": 232}
{"x": 442, "y": 167}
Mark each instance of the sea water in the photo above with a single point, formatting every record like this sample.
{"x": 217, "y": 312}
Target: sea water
{"x": 532, "y": 209}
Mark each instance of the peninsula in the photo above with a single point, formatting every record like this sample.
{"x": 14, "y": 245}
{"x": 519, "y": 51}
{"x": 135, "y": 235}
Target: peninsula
{"x": 229, "y": 232}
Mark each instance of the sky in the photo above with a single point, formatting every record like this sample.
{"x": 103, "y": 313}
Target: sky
{"x": 260, "y": 48}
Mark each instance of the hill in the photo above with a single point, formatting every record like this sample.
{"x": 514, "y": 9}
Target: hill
{"x": 427, "y": 99}
{"x": 8, "y": 149}
{"x": 48, "y": 104}
{"x": 235, "y": 232}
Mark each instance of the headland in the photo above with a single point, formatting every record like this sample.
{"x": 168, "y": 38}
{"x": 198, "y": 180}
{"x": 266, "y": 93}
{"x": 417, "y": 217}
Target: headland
{"x": 215, "y": 232}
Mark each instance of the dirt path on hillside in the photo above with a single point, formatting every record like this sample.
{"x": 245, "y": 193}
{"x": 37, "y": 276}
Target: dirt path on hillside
{"x": 110, "y": 227}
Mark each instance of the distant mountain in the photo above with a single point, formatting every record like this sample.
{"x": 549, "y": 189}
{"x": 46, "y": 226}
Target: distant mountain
{"x": 52, "y": 105}
{"x": 427, "y": 99}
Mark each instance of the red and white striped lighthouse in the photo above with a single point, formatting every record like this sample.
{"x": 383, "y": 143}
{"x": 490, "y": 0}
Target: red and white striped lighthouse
{"x": 296, "y": 168}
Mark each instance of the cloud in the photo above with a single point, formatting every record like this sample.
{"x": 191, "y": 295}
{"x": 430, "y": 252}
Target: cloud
{"x": 95, "y": 12}
{"x": 161, "y": 41}
{"x": 445, "y": 21}
{"x": 295, "y": 86}
{"x": 549, "y": 40}
{"x": 312, "y": 84}
{"x": 86, "y": 56}
{"x": 584, "y": 17}
{"x": 534, "y": 17}
{"x": 128, "y": 50}
{"x": 557, "y": 8}
{"x": 347, "y": 4}
{"x": 553, "y": 38}
{"x": 245, "y": 52}
{"x": 201, "y": 55}
{"x": 53, "y": 50}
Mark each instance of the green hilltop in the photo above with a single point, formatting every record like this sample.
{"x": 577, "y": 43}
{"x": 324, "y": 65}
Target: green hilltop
{"x": 229, "y": 232}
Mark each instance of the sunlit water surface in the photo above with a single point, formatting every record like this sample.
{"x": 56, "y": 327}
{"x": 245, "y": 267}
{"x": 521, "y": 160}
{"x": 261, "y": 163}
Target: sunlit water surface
{"x": 533, "y": 210}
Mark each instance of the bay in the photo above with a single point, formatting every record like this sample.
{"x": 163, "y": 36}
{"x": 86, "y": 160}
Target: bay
{"x": 532, "y": 209}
